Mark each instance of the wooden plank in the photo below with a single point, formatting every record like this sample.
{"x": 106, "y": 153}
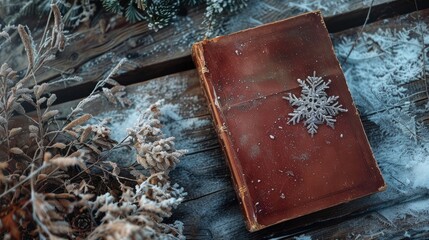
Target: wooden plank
{"x": 416, "y": 89}
{"x": 211, "y": 210}
{"x": 152, "y": 54}
{"x": 95, "y": 50}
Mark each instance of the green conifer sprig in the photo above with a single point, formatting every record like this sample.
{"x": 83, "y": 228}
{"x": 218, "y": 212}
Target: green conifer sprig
{"x": 160, "y": 13}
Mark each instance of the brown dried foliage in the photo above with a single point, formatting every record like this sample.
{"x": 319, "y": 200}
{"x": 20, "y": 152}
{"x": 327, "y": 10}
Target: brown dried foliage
{"x": 49, "y": 166}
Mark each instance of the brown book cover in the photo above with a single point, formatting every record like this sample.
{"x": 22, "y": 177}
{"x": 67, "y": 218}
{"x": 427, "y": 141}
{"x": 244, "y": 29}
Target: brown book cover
{"x": 286, "y": 120}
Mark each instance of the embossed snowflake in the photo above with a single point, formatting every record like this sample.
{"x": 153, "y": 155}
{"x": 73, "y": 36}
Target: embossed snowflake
{"x": 314, "y": 105}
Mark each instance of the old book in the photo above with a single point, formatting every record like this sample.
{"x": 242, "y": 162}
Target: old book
{"x": 286, "y": 120}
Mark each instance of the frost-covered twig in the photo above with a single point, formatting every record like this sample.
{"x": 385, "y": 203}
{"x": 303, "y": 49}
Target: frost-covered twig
{"x": 97, "y": 87}
{"x": 359, "y": 34}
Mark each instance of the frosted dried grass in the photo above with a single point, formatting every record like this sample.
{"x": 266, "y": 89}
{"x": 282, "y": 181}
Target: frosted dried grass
{"x": 139, "y": 212}
{"x": 50, "y": 165}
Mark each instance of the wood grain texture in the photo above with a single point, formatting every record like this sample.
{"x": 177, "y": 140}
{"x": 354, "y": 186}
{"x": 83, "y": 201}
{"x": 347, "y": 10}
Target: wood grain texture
{"x": 94, "y": 50}
{"x": 211, "y": 210}
{"x": 152, "y": 54}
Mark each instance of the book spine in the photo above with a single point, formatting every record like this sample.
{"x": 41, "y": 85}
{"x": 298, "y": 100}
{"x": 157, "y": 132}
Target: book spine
{"x": 235, "y": 168}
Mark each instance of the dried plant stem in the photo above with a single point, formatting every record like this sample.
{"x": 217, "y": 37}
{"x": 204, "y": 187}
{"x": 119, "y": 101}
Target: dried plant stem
{"x": 96, "y": 161}
{"x": 110, "y": 75}
{"x": 359, "y": 33}
{"x": 35, "y": 217}
{"x": 97, "y": 87}
{"x": 48, "y": 179}
{"x": 30, "y": 176}
{"x": 45, "y": 31}
{"x": 84, "y": 101}
{"x": 116, "y": 176}
{"x": 32, "y": 201}
{"x": 6, "y": 125}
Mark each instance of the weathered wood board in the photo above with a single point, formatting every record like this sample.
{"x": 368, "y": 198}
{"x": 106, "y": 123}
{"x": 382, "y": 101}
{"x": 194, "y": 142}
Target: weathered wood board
{"x": 153, "y": 54}
{"x": 94, "y": 50}
{"x": 211, "y": 210}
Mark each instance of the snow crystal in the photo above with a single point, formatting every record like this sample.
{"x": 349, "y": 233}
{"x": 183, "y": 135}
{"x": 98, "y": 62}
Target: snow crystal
{"x": 407, "y": 235}
{"x": 314, "y": 105}
{"x": 327, "y": 7}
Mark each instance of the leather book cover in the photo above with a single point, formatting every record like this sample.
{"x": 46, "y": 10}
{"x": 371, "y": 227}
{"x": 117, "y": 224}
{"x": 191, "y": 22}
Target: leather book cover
{"x": 290, "y": 131}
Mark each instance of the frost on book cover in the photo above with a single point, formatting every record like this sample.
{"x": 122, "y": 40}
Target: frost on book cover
{"x": 286, "y": 120}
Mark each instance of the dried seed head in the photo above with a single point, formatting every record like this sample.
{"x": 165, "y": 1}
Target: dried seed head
{"x": 40, "y": 89}
{"x": 58, "y": 39}
{"x": 3, "y": 70}
{"x": 17, "y": 151}
{"x": 66, "y": 161}
{"x": 85, "y": 134}
{"x": 28, "y": 46}
{"x": 59, "y": 145}
{"x": 48, "y": 115}
{"x": 47, "y": 156}
{"x": 51, "y": 100}
{"x": 78, "y": 121}
{"x": 14, "y": 131}
{"x": 3, "y": 165}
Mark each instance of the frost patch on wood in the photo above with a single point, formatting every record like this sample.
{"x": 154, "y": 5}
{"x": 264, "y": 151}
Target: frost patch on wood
{"x": 172, "y": 120}
{"x": 384, "y": 72}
